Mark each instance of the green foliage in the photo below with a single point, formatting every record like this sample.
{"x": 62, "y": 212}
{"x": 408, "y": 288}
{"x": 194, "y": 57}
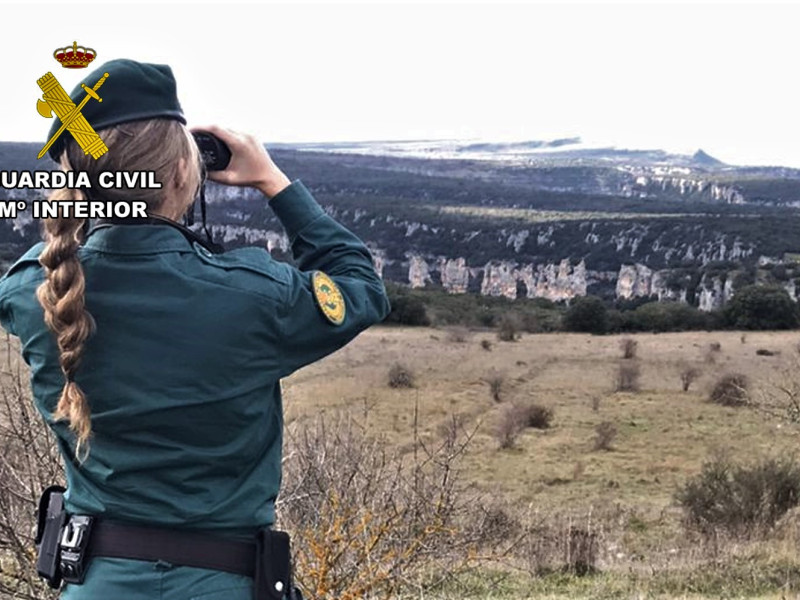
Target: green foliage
{"x": 406, "y": 308}
{"x": 762, "y": 307}
{"x": 666, "y": 316}
{"x": 588, "y": 315}
{"x": 740, "y": 499}
{"x": 443, "y": 309}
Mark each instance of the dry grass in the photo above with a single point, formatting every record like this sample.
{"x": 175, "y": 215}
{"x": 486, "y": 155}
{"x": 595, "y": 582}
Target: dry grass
{"x": 664, "y": 434}
{"x": 623, "y": 499}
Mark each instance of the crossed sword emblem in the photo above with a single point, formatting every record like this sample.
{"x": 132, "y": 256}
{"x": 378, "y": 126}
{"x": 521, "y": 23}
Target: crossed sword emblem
{"x": 56, "y": 100}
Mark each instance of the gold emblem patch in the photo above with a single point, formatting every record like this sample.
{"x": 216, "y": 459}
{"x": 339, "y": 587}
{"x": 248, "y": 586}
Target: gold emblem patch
{"x": 329, "y": 298}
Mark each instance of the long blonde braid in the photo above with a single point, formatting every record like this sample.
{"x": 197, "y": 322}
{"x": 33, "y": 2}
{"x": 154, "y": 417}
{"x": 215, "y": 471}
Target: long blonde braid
{"x": 62, "y": 298}
{"x": 151, "y": 145}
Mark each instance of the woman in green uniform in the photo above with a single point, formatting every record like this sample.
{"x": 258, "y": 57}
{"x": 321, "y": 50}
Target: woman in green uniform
{"x": 157, "y": 362}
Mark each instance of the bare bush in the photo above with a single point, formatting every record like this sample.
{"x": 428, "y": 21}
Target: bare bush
{"x": 497, "y": 384}
{"x": 629, "y": 346}
{"x": 458, "y": 335}
{"x": 366, "y": 523}
{"x": 508, "y": 329}
{"x": 689, "y": 375}
{"x": 559, "y": 543}
{"x": 730, "y": 390}
{"x": 517, "y": 418}
{"x": 595, "y": 403}
{"x": 508, "y": 428}
{"x": 627, "y": 377}
{"x": 779, "y": 397}
{"x": 535, "y": 416}
{"x": 400, "y": 376}
{"x": 714, "y": 350}
{"x": 29, "y": 463}
{"x": 740, "y": 499}
{"x": 486, "y": 345}
{"x": 604, "y": 435}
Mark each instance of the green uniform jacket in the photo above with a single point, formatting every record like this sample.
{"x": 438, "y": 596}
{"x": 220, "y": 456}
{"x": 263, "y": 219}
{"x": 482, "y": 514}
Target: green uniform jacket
{"x": 183, "y": 372}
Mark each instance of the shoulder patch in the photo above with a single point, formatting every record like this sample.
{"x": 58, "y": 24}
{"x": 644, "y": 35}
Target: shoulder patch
{"x": 329, "y": 298}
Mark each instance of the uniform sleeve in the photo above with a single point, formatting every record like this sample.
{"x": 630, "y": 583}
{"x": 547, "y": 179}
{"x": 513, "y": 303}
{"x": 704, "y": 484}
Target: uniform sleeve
{"x": 319, "y": 243}
{"x": 6, "y": 320}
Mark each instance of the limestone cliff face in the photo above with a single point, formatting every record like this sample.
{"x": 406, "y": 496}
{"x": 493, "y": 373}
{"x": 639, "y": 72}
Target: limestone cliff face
{"x": 455, "y": 275}
{"x": 682, "y": 184}
{"x": 272, "y": 240}
{"x": 418, "y": 271}
{"x": 714, "y": 293}
{"x": 562, "y": 281}
{"x": 379, "y": 259}
{"x": 634, "y": 281}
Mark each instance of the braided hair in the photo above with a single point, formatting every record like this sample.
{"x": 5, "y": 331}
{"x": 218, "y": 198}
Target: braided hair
{"x": 151, "y": 145}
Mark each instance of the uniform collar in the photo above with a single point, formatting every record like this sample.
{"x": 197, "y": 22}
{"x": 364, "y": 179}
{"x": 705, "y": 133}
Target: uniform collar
{"x": 147, "y": 238}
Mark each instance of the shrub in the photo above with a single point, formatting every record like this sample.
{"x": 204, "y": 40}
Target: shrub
{"x": 628, "y": 347}
{"x": 400, "y": 376}
{"x": 30, "y": 463}
{"x": 730, "y": 390}
{"x": 714, "y": 348}
{"x": 667, "y": 316}
{"x": 586, "y": 314}
{"x": 496, "y": 383}
{"x": 530, "y": 323}
{"x": 604, "y": 435}
{"x": 406, "y": 309}
{"x": 517, "y": 418}
{"x": 535, "y": 415}
{"x": 762, "y": 307}
{"x": 458, "y": 335}
{"x": 486, "y": 345}
{"x": 360, "y": 514}
{"x": 740, "y": 499}
{"x": 627, "y": 378}
{"x": 689, "y": 375}
{"x": 509, "y": 428}
{"x": 581, "y": 552}
{"x": 508, "y": 328}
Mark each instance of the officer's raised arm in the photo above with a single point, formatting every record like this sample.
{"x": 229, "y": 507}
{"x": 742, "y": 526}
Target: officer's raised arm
{"x": 335, "y": 292}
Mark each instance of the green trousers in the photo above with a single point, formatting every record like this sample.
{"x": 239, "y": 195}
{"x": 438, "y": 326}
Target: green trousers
{"x": 123, "y": 579}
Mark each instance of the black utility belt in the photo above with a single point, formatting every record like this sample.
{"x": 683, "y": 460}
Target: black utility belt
{"x": 66, "y": 544}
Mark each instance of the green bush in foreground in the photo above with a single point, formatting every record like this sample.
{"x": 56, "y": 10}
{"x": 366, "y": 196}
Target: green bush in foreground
{"x": 740, "y": 499}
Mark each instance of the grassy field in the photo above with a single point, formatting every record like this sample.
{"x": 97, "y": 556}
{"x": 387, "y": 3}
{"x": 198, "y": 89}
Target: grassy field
{"x": 555, "y": 479}
{"x": 625, "y": 494}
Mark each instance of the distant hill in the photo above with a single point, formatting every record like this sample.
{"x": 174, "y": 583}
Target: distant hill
{"x": 552, "y": 219}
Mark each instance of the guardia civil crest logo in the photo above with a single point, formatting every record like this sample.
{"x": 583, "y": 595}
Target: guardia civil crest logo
{"x": 329, "y": 298}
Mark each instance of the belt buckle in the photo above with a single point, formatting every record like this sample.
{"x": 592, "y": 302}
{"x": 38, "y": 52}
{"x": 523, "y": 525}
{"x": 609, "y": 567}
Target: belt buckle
{"x": 75, "y": 548}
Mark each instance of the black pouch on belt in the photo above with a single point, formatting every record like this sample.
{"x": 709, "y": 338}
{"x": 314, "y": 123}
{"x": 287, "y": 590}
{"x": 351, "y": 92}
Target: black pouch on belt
{"x": 50, "y": 518}
{"x": 273, "y": 572}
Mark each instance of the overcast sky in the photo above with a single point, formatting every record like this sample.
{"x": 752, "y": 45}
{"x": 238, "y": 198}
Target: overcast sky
{"x": 679, "y": 76}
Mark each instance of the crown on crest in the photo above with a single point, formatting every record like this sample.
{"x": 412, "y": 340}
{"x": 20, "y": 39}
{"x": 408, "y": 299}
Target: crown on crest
{"x": 75, "y": 57}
